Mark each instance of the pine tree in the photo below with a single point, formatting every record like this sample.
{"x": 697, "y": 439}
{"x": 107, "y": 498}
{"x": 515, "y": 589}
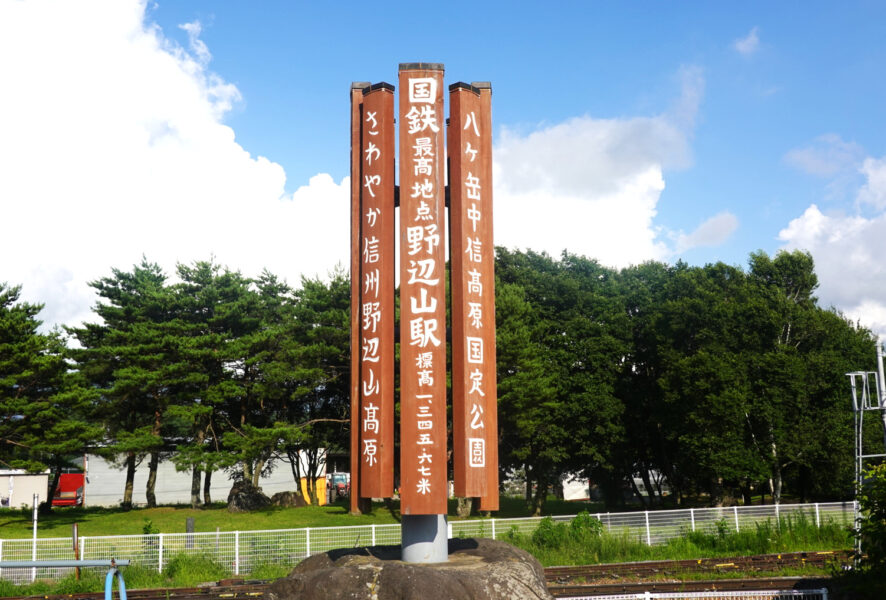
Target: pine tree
{"x": 130, "y": 357}
{"x": 45, "y": 408}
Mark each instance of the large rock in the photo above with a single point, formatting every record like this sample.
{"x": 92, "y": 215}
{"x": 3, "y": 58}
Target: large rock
{"x": 478, "y": 569}
{"x": 245, "y": 497}
{"x": 288, "y": 500}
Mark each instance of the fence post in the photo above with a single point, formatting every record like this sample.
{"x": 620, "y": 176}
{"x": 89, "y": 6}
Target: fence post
{"x": 82, "y": 547}
{"x": 236, "y": 553}
{"x": 1, "y": 554}
{"x": 817, "y": 517}
{"x": 373, "y": 534}
{"x": 308, "y": 540}
{"x": 648, "y": 536}
{"x": 160, "y": 553}
{"x": 777, "y": 518}
{"x": 735, "y": 512}
{"x": 493, "y": 528}
{"x": 692, "y": 517}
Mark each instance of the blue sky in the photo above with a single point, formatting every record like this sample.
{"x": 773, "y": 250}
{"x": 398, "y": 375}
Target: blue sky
{"x": 625, "y": 131}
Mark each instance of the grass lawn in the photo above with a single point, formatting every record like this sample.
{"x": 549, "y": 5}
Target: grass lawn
{"x": 16, "y": 523}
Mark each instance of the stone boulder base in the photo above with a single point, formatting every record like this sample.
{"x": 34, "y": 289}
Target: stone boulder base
{"x": 478, "y": 569}
{"x": 245, "y": 497}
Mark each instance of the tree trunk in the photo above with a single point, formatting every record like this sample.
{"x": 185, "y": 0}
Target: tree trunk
{"x": 775, "y": 484}
{"x": 657, "y": 481}
{"x": 247, "y": 470}
{"x": 637, "y": 492}
{"x": 464, "y": 507}
{"x": 195, "y": 487}
{"x": 746, "y": 498}
{"x": 295, "y": 466}
{"x": 46, "y": 505}
{"x": 313, "y": 496}
{"x": 314, "y": 458}
{"x": 647, "y": 483}
{"x": 775, "y": 478}
{"x": 538, "y": 500}
{"x": 804, "y": 484}
{"x": 256, "y": 472}
{"x": 207, "y": 484}
{"x": 130, "y": 480}
{"x": 153, "y": 463}
{"x": 716, "y": 492}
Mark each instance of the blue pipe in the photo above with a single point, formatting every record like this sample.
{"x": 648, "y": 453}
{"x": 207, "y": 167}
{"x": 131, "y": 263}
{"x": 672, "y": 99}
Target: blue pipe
{"x": 109, "y": 584}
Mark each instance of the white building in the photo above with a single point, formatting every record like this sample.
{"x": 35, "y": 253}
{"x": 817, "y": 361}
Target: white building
{"x": 105, "y": 483}
{"x": 17, "y": 487}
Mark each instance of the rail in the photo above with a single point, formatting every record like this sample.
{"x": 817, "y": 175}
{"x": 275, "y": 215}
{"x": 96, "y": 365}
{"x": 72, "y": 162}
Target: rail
{"x": 814, "y": 594}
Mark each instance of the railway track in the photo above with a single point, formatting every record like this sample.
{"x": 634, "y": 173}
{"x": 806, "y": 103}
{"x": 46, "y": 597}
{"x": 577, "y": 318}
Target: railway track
{"x": 721, "y": 585}
{"x": 745, "y": 564}
{"x": 566, "y": 581}
{"x": 223, "y": 590}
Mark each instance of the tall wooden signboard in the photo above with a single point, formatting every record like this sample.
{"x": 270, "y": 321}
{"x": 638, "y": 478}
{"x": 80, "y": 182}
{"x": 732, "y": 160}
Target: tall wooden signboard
{"x": 422, "y": 293}
{"x": 376, "y": 284}
{"x": 474, "y": 401}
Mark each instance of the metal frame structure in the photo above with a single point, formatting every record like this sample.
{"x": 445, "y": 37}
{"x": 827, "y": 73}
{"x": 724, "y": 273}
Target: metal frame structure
{"x": 863, "y": 401}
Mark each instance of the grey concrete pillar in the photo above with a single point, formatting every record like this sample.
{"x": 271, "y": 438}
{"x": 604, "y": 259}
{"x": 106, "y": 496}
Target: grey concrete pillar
{"x": 425, "y": 538}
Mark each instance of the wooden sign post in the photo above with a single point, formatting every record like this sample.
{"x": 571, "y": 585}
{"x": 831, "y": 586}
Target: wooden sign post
{"x": 423, "y": 486}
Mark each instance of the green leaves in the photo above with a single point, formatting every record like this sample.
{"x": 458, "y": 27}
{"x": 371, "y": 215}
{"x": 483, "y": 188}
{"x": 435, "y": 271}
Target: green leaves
{"x": 217, "y": 370}
{"x": 872, "y": 498}
{"x": 712, "y": 378}
{"x": 46, "y": 410}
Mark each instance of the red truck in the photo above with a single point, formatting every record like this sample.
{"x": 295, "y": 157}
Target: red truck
{"x": 70, "y": 490}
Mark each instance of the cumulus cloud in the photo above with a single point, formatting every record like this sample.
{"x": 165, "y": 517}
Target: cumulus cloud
{"x": 592, "y": 185}
{"x": 114, "y": 147}
{"x": 748, "y": 44}
{"x": 848, "y": 250}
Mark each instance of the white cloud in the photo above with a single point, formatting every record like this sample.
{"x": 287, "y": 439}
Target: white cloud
{"x": 712, "y": 232}
{"x": 828, "y": 155}
{"x": 848, "y": 252}
{"x": 873, "y": 193}
{"x": 749, "y": 44}
{"x": 198, "y": 47}
{"x": 592, "y": 185}
{"x": 113, "y": 147}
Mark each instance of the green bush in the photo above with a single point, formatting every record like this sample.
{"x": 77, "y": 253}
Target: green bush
{"x": 191, "y": 570}
{"x": 550, "y": 534}
{"x": 584, "y": 527}
{"x": 584, "y": 541}
{"x": 872, "y": 498}
{"x": 90, "y": 581}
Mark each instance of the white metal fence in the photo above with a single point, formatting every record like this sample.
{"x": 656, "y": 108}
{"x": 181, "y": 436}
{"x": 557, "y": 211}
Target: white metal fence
{"x": 243, "y": 551}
